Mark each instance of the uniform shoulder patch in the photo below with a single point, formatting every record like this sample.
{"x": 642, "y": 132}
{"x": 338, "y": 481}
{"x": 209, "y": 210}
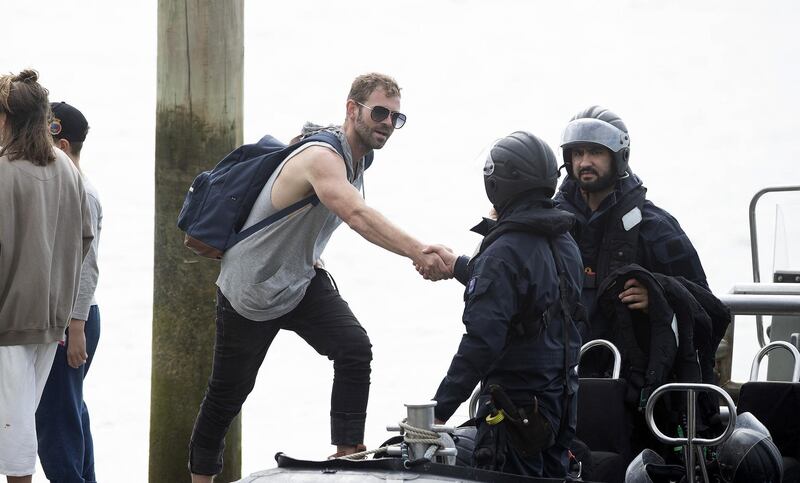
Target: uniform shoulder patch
{"x": 471, "y": 285}
{"x": 632, "y": 218}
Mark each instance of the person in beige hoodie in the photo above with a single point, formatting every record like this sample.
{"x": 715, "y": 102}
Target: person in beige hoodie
{"x": 45, "y": 232}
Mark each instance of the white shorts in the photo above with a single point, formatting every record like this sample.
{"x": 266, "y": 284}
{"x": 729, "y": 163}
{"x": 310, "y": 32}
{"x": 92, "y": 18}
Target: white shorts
{"x": 23, "y": 373}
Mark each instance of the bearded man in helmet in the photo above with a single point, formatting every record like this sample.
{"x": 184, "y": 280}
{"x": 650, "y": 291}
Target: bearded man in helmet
{"x": 641, "y": 274}
{"x": 615, "y": 224}
{"x": 521, "y": 344}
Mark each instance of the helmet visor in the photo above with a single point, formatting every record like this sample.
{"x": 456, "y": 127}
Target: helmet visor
{"x": 594, "y": 131}
{"x": 483, "y": 160}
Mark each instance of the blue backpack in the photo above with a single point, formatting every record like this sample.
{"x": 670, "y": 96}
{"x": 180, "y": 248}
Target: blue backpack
{"x": 219, "y": 201}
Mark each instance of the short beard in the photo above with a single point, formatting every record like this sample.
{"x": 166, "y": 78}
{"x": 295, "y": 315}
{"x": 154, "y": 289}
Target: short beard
{"x": 602, "y": 183}
{"x": 365, "y": 134}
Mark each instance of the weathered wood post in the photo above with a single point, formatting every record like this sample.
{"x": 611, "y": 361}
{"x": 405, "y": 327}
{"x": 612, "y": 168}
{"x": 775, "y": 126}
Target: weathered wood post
{"x": 198, "y": 121}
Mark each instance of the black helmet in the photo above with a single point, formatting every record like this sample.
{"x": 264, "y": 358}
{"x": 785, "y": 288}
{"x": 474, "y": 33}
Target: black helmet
{"x": 597, "y": 125}
{"x": 649, "y": 467}
{"x": 749, "y": 453}
{"x": 464, "y": 439}
{"x": 518, "y": 163}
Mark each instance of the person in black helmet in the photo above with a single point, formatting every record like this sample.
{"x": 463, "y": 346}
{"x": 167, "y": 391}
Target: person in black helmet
{"x": 626, "y": 242}
{"x": 518, "y": 343}
{"x": 615, "y": 224}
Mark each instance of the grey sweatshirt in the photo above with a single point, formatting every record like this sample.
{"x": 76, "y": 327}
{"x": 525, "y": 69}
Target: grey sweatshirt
{"x": 45, "y": 232}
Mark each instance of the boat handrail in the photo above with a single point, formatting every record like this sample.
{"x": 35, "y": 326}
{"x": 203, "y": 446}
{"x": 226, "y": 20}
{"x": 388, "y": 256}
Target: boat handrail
{"x": 766, "y": 289}
{"x": 778, "y": 344}
{"x": 690, "y": 441}
{"x": 754, "y": 299}
{"x": 763, "y": 303}
{"x": 608, "y": 345}
{"x": 754, "y": 247}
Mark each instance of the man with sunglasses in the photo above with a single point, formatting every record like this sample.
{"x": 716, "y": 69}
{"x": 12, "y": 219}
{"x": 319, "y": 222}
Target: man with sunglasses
{"x": 273, "y": 280}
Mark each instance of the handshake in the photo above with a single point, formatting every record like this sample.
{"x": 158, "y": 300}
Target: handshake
{"x": 435, "y": 262}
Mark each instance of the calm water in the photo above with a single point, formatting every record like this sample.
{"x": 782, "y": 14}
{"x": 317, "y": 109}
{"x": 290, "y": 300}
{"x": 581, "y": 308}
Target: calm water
{"x": 708, "y": 92}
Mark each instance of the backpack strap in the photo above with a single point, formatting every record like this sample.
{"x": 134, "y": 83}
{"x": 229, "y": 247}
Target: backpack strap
{"x": 324, "y": 136}
{"x": 332, "y": 139}
{"x": 312, "y": 200}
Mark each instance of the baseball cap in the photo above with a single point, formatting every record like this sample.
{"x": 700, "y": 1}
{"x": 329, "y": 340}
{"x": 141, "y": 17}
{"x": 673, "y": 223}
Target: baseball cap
{"x": 68, "y": 123}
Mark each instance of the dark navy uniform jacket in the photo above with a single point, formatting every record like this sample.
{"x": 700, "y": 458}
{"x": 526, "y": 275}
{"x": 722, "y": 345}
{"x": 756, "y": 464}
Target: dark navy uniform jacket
{"x": 662, "y": 247}
{"x": 515, "y": 277}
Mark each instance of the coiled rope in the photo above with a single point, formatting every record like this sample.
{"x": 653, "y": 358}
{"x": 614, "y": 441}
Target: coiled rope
{"x": 412, "y": 435}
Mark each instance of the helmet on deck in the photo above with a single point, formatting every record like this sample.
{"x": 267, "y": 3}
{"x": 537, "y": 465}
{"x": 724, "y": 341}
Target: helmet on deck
{"x": 749, "y": 454}
{"x": 649, "y": 467}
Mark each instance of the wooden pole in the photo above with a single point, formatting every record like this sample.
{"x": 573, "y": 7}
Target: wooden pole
{"x": 198, "y": 121}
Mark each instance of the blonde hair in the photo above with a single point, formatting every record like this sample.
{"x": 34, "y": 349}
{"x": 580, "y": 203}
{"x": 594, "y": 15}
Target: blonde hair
{"x": 25, "y": 103}
{"x": 366, "y": 84}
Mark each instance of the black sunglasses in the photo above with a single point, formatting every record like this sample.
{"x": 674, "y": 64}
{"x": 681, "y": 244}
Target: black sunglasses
{"x": 379, "y": 113}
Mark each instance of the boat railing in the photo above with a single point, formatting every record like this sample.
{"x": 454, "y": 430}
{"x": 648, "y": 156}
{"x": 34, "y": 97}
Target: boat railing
{"x": 754, "y": 248}
{"x": 763, "y": 299}
{"x": 691, "y": 443}
{"x": 778, "y": 344}
{"x": 757, "y": 299}
{"x": 611, "y": 347}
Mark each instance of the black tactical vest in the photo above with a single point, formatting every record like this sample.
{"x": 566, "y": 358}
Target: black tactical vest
{"x": 618, "y": 246}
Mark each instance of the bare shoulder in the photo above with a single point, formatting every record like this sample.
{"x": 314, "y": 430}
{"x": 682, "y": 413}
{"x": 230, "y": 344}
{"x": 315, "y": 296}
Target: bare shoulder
{"x": 322, "y": 161}
{"x": 320, "y": 152}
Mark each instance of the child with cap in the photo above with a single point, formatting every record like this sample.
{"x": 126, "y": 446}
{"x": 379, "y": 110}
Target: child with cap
{"x": 62, "y": 419}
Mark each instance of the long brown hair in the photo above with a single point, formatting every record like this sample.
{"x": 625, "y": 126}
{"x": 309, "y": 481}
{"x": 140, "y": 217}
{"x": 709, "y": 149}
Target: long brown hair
{"x": 24, "y": 102}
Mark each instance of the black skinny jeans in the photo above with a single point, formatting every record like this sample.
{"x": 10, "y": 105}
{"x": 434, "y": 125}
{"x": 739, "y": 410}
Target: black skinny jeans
{"x": 324, "y": 320}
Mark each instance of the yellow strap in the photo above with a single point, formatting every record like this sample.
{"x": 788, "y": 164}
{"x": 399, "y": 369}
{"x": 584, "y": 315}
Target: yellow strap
{"x": 496, "y": 418}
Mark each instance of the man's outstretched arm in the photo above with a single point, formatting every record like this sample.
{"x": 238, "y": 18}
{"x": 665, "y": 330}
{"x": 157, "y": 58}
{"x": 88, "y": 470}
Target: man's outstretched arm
{"x": 328, "y": 177}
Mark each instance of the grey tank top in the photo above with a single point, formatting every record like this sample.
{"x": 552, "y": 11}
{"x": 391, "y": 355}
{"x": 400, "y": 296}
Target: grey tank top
{"x": 266, "y": 275}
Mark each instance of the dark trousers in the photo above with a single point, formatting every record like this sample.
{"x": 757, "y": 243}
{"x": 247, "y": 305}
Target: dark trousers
{"x": 66, "y": 450}
{"x": 324, "y": 320}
